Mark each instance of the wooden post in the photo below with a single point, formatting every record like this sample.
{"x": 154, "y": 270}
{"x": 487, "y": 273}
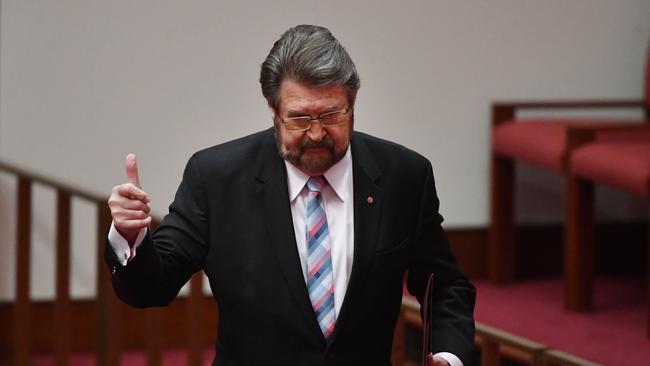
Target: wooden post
{"x": 194, "y": 317}
{"x": 62, "y": 301}
{"x": 579, "y": 244}
{"x": 107, "y": 311}
{"x": 490, "y": 353}
{"x": 22, "y": 307}
{"x": 501, "y": 236}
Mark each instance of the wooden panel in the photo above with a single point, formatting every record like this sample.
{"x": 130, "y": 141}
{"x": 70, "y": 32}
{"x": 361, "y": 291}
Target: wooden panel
{"x": 153, "y": 317}
{"x": 470, "y": 249}
{"x": 22, "y": 326}
{"x": 62, "y": 302}
{"x": 107, "y": 314}
{"x": 173, "y": 326}
{"x": 153, "y": 341}
{"x": 195, "y": 321}
{"x": 501, "y": 245}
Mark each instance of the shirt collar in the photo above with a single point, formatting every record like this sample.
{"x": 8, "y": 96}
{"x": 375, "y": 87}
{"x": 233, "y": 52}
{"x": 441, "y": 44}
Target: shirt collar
{"x": 337, "y": 177}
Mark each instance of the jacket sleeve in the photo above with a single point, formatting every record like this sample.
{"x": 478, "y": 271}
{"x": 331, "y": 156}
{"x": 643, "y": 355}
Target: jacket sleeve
{"x": 453, "y": 296}
{"x": 167, "y": 258}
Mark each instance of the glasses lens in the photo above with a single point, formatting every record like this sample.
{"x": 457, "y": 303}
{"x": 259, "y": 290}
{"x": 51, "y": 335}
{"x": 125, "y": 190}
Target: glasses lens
{"x": 298, "y": 123}
{"x": 333, "y": 119}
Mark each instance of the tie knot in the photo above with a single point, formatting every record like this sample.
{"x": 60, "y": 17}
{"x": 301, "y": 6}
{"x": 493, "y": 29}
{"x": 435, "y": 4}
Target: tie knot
{"x": 316, "y": 184}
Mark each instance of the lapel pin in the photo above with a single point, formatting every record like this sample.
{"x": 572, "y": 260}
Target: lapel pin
{"x": 370, "y": 200}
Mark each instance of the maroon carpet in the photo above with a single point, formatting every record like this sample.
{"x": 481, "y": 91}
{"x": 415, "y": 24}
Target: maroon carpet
{"x": 169, "y": 358}
{"x": 613, "y": 334}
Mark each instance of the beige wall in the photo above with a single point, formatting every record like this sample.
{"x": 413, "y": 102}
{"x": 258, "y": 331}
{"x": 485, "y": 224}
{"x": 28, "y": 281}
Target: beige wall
{"x": 84, "y": 82}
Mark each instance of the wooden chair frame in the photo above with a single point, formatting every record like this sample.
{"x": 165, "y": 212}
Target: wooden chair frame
{"x": 579, "y": 223}
{"x": 501, "y": 242}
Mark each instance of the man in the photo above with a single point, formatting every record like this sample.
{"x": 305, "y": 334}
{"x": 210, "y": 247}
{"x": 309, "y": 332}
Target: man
{"x": 304, "y": 230}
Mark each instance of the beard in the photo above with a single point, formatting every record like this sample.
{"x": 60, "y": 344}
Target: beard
{"x": 310, "y": 163}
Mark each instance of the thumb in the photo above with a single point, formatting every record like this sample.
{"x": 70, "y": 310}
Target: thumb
{"x": 132, "y": 170}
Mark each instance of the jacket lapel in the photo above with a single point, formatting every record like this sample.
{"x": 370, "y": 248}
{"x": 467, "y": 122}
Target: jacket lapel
{"x": 274, "y": 195}
{"x": 367, "y": 215}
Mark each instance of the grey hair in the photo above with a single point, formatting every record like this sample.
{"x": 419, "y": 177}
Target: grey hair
{"x": 308, "y": 54}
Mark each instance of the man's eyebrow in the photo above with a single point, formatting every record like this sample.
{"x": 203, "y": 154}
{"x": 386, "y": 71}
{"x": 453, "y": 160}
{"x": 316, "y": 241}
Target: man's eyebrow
{"x": 325, "y": 109}
{"x": 296, "y": 112}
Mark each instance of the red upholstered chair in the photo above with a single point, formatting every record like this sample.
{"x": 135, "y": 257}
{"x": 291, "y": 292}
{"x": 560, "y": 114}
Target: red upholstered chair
{"x": 617, "y": 158}
{"x": 542, "y": 142}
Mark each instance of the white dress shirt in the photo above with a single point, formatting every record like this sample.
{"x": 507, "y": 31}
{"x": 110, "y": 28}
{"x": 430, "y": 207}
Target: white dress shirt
{"x": 338, "y": 202}
{"x": 339, "y": 210}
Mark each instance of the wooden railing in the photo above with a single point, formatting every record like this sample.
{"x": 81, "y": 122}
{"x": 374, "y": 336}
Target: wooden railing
{"x": 496, "y": 345}
{"x": 107, "y": 306}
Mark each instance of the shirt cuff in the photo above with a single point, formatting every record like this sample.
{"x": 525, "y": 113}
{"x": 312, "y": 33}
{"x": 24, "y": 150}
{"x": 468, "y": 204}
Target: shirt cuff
{"x": 121, "y": 247}
{"x": 449, "y": 357}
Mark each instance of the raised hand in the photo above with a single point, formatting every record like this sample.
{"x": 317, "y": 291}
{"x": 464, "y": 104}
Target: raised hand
{"x": 129, "y": 204}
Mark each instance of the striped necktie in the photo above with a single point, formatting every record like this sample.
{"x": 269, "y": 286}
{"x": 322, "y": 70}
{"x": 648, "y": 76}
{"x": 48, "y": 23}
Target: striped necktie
{"x": 319, "y": 259}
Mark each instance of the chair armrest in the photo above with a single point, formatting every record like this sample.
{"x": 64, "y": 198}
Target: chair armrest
{"x": 580, "y": 135}
{"x": 504, "y": 111}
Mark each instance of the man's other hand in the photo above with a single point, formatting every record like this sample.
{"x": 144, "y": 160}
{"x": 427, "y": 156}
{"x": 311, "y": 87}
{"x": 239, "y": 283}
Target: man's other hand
{"x": 436, "y": 361}
{"x": 129, "y": 204}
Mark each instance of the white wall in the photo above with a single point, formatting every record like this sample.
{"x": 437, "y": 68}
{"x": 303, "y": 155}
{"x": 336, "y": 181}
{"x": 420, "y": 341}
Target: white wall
{"x": 84, "y": 82}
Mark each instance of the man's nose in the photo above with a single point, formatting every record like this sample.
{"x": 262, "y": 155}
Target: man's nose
{"x": 316, "y": 131}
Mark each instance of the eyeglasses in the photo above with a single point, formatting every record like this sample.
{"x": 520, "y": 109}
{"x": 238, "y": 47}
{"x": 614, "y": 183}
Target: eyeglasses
{"x": 329, "y": 119}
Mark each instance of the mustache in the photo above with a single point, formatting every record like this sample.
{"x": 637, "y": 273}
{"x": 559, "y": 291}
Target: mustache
{"x": 308, "y": 143}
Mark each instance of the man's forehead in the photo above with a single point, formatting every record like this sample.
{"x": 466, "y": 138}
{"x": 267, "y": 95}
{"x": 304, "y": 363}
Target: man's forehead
{"x": 296, "y": 94}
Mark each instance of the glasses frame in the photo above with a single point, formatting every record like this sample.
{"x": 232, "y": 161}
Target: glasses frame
{"x": 310, "y": 119}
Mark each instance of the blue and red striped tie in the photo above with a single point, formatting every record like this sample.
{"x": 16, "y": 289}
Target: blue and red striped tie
{"x": 319, "y": 258}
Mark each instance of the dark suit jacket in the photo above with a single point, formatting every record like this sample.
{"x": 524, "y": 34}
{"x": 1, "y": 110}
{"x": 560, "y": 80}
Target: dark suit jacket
{"x": 231, "y": 217}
